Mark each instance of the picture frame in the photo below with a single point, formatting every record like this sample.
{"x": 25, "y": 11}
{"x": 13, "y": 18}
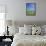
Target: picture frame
{"x": 30, "y": 9}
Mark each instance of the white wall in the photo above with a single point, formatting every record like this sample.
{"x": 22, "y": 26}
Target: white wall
{"x": 17, "y": 11}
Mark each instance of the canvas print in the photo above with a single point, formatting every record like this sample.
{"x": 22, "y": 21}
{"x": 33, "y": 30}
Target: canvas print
{"x": 31, "y": 9}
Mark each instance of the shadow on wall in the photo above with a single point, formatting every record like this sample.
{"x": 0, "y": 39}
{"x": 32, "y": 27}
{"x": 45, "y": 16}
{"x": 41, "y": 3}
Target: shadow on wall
{"x": 21, "y": 23}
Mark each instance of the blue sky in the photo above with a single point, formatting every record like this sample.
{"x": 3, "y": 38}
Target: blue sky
{"x": 31, "y": 6}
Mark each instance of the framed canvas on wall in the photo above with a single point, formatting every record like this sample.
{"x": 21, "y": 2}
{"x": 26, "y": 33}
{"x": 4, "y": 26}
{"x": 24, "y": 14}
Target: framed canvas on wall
{"x": 30, "y": 9}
